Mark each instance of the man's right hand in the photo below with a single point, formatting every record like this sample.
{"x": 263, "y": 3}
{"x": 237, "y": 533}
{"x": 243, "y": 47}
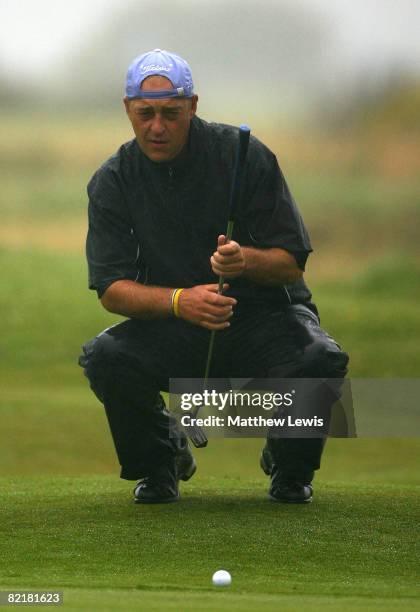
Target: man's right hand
{"x": 203, "y": 306}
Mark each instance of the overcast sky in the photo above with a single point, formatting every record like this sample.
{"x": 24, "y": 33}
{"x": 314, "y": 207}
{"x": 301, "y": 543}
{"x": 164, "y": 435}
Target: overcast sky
{"x": 34, "y": 34}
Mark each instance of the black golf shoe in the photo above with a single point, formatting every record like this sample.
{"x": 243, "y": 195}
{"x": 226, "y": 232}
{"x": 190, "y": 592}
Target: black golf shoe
{"x": 284, "y": 489}
{"x": 161, "y": 487}
{"x": 290, "y": 492}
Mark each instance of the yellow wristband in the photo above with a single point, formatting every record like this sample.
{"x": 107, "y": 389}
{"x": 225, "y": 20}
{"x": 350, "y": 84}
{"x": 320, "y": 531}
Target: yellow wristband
{"x": 175, "y": 299}
{"x": 172, "y": 300}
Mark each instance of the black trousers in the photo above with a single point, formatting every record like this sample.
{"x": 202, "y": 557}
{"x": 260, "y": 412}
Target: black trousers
{"x": 130, "y": 363}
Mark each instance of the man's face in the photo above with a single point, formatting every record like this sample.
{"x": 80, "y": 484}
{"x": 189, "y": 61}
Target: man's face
{"x": 161, "y": 126}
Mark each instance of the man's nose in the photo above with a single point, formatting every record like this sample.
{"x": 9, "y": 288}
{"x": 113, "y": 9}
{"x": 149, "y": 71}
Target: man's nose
{"x": 158, "y": 126}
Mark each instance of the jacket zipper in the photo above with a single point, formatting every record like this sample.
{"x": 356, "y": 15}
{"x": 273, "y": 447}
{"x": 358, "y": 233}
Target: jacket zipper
{"x": 171, "y": 178}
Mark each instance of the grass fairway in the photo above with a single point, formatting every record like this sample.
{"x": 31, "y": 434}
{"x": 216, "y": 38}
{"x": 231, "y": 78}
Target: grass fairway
{"x": 352, "y": 549}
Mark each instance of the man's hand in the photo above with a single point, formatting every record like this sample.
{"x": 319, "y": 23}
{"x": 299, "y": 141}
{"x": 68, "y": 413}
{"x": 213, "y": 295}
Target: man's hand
{"x": 229, "y": 259}
{"x": 203, "y": 306}
{"x": 270, "y": 266}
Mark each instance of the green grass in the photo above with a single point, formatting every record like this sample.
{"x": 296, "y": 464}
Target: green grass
{"x": 375, "y": 317}
{"x": 63, "y": 430}
{"x": 48, "y": 313}
{"x": 351, "y": 547}
{"x": 68, "y": 521}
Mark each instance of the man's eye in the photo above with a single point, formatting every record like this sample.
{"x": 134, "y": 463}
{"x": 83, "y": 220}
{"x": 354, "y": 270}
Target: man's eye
{"x": 144, "y": 114}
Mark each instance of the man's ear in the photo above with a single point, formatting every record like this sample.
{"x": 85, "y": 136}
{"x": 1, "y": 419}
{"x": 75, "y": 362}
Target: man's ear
{"x": 126, "y": 104}
{"x": 194, "y": 101}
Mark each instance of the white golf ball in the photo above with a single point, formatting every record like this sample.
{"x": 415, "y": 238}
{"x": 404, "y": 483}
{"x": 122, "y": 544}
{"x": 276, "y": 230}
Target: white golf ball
{"x": 221, "y": 578}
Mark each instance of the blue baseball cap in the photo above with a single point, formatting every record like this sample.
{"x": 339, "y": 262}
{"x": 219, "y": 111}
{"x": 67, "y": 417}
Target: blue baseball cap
{"x": 162, "y": 63}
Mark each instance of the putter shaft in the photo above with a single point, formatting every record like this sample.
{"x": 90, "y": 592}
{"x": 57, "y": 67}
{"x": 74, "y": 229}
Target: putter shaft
{"x": 196, "y": 433}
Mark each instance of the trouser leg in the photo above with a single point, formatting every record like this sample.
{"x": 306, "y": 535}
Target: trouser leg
{"x": 127, "y": 365}
{"x": 267, "y": 346}
{"x": 321, "y": 357}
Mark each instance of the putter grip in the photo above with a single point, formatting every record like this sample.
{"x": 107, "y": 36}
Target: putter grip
{"x": 244, "y": 134}
{"x": 241, "y": 153}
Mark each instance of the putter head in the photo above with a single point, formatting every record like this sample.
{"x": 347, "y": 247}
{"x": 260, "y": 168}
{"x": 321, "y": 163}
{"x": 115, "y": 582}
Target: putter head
{"x": 197, "y": 436}
{"x": 195, "y": 432}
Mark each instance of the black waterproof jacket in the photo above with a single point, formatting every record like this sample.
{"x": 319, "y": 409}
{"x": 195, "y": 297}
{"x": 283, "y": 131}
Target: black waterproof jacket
{"x": 158, "y": 223}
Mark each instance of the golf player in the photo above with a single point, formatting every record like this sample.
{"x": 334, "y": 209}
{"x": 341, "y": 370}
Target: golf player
{"x": 156, "y": 245}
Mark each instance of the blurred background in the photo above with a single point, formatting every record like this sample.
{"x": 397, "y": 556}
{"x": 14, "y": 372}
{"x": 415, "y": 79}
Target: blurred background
{"x": 332, "y": 87}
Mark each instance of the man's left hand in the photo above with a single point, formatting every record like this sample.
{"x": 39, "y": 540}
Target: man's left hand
{"x": 229, "y": 259}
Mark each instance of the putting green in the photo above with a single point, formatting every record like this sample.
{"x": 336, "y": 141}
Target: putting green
{"x": 353, "y": 548}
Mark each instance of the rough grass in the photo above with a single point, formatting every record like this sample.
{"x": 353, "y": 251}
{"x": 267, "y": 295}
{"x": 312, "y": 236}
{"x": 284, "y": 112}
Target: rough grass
{"x": 48, "y": 314}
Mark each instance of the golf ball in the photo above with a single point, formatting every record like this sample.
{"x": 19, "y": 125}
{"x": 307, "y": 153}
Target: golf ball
{"x": 221, "y": 578}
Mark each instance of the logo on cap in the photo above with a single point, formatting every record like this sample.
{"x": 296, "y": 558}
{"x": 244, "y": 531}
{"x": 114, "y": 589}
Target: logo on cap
{"x": 153, "y": 67}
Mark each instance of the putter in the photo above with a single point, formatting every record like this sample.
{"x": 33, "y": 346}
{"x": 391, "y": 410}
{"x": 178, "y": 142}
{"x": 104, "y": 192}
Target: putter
{"x": 196, "y": 433}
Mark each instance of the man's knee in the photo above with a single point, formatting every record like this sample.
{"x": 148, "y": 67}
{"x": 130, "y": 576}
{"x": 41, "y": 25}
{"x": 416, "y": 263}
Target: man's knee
{"x": 323, "y": 358}
{"x": 98, "y": 352}
{"x": 97, "y": 360}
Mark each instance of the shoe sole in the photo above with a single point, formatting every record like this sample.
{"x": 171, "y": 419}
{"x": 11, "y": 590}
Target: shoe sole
{"x": 289, "y": 501}
{"x": 167, "y": 500}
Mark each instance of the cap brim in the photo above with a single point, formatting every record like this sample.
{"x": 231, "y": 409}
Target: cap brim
{"x": 163, "y": 93}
